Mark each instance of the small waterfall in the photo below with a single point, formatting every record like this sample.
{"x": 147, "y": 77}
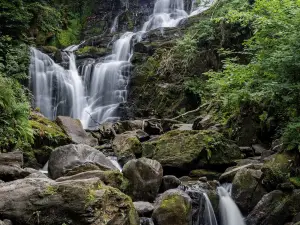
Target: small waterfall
{"x": 230, "y": 213}
{"x": 199, "y": 7}
{"x": 45, "y": 168}
{"x": 115, "y": 24}
{"x": 114, "y": 161}
{"x": 209, "y": 215}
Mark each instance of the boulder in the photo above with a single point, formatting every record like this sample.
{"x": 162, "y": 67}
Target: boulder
{"x": 44, "y": 201}
{"x": 203, "y": 123}
{"x": 5, "y": 222}
{"x": 174, "y": 207}
{"x": 110, "y": 178}
{"x": 145, "y": 176}
{"x": 73, "y": 128}
{"x": 146, "y": 221}
{"x": 182, "y": 151}
{"x": 211, "y": 175}
{"x": 144, "y": 209}
{"x": 275, "y": 208}
{"x": 258, "y": 149}
{"x": 126, "y": 146}
{"x": 72, "y": 159}
{"x": 169, "y": 182}
{"x": 10, "y": 166}
{"x": 247, "y": 189}
{"x": 248, "y": 151}
{"x": 229, "y": 174}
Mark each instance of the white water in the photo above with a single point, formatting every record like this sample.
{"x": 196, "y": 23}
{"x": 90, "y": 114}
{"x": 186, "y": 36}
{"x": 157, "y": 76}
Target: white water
{"x": 209, "y": 215}
{"x": 230, "y": 213}
{"x": 95, "y": 97}
{"x": 114, "y": 161}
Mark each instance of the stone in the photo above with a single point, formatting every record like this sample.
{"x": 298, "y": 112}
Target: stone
{"x": 203, "y": 179}
{"x": 110, "y": 178}
{"x": 258, "y": 149}
{"x": 11, "y": 159}
{"x": 126, "y": 146}
{"x": 169, "y": 182}
{"x": 204, "y": 173}
{"x": 73, "y": 128}
{"x": 203, "y": 123}
{"x": 144, "y": 209}
{"x": 5, "y": 222}
{"x": 72, "y": 159}
{"x": 277, "y": 146}
{"x": 174, "y": 207}
{"x": 146, "y": 221}
{"x": 182, "y": 151}
{"x": 285, "y": 187}
{"x": 145, "y": 177}
{"x": 248, "y": 151}
{"x": 182, "y": 127}
{"x": 247, "y": 189}
{"x": 229, "y": 174}
{"x": 75, "y": 202}
{"x": 266, "y": 154}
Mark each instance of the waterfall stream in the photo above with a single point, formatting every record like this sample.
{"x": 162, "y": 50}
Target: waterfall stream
{"x": 95, "y": 96}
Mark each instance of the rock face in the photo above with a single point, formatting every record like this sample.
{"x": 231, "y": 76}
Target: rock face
{"x": 74, "y": 202}
{"x": 186, "y": 150}
{"x": 126, "y": 146}
{"x": 73, "y": 128}
{"x": 72, "y": 159}
{"x": 11, "y": 166}
{"x": 145, "y": 176}
{"x": 174, "y": 207}
{"x": 247, "y": 189}
{"x": 275, "y": 208}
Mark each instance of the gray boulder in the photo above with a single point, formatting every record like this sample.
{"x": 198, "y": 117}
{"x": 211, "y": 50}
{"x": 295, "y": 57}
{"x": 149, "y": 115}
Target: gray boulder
{"x": 174, "y": 207}
{"x": 144, "y": 209}
{"x": 73, "y": 128}
{"x": 145, "y": 176}
{"x": 72, "y": 159}
{"x": 169, "y": 182}
{"x": 43, "y": 201}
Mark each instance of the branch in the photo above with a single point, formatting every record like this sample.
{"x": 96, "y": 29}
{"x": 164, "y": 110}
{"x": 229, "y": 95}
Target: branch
{"x": 190, "y": 112}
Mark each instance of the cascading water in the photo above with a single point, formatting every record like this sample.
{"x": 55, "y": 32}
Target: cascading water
{"x": 209, "y": 215}
{"x": 95, "y": 97}
{"x": 230, "y": 213}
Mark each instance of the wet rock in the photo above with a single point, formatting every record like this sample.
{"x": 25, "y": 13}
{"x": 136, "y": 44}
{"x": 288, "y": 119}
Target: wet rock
{"x": 145, "y": 176}
{"x": 277, "y": 146}
{"x": 285, "y": 187}
{"x": 173, "y": 207}
{"x": 258, "y": 149}
{"x": 72, "y": 159}
{"x": 248, "y": 151}
{"x": 266, "y": 154}
{"x": 182, "y": 151}
{"x": 5, "y": 222}
{"x": 126, "y": 146}
{"x": 73, "y": 128}
{"x": 203, "y": 179}
{"x": 146, "y": 221}
{"x": 38, "y": 174}
{"x": 204, "y": 173}
{"x": 169, "y": 182}
{"x": 247, "y": 189}
{"x": 203, "y": 123}
{"x": 75, "y": 202}
{"x": 144, "y": 209}
{"x": 11, "y": 159}
{"x": 229, "y": 174}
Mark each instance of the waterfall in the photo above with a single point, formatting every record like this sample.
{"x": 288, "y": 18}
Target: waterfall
{"x": 230, "y": 213}
{"x": 114, "y": 161}
{"x": 209, "y": 215}
{"x": 95, "y": 96}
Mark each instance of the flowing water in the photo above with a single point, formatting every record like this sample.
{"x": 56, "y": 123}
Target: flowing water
{"x": 230, "y": 213}
{"x": 209, "y": 215}
{"x": 95, "y": 96}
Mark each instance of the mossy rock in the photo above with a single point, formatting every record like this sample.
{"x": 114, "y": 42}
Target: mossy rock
{"x": 295, "y": 181}
{"x": 277, "y": 170}
{"x": 46, "y": 132}
{"x": 205, "y": 173}
{"x": 92, "y": 51}
{"x": 49, "y": 49}
{"x": 187, "y": 150}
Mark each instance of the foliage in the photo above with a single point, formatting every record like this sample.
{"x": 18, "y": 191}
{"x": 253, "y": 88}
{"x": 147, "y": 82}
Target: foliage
{"x": 291, "y": 136}
{"x": 14, "y": 112}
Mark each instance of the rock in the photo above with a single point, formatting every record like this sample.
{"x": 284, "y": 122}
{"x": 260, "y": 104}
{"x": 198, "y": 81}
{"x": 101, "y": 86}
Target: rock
{"x": 182, "y": 151}
{"x": 46, "y": 132}
{"x": 174, "y": 207}
{"x": 203, "y": 123}
{"x": 248, "y": 151}
{"x": 242, "y": 162}
{"x": 72, "y": 159}
{"x": 169, "y": 182}
{"x": 247, "y": 189}
{"x": 110, "y": 178}
{"x": 203, "y": 179}
{"x": 10, "y": 166}
{"x": 38, "y": 174}
{"x": 185, "y": 178}
{"x": 145, "y": 176}
{"x": 296, "y": 218}
{"x": 182, "y": 127}
{"x": 276, "y": 170}
{"x": 126, "y": 146}
{"x": 75, "y": 202}
{"x": 285, "y": 187}
{"x": 204, "y": 173}
{"x": 143, "y": 208}
{"x": 5, "y": 222}
{"x": 258, "y": 149}
{"x": 277, "y": 146}
{"x": 73, "y": 128}
{"x": 146, "y": 221}
{"x": 275, "y": 208}
{"x": 266, "y": 154}
{"x": 229, "y": 174}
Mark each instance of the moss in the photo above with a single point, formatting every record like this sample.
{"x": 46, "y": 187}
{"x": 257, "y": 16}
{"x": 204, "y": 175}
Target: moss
{"x": 91, "y": 50}
{"x": 70, "y": 35}
{"x": 205, "y": 173}
{"x": 295, "y": 181}
{"x": 49, "y": 49}
{"x": 188, "y": 149}
{"x": 47, "y": 132}
{"x": 50, "y": 190}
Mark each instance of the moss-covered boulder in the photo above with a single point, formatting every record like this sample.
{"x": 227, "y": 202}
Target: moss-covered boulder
{"x": 277, "y": 170}
{"x": 247, "y": 189}
{"x": 126, "y": 146}
{"x": 186, "y": 150}
{"x": 211, "y": 175}
{"x": 75, "y": 202}
{"x": 174, "y": 207}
